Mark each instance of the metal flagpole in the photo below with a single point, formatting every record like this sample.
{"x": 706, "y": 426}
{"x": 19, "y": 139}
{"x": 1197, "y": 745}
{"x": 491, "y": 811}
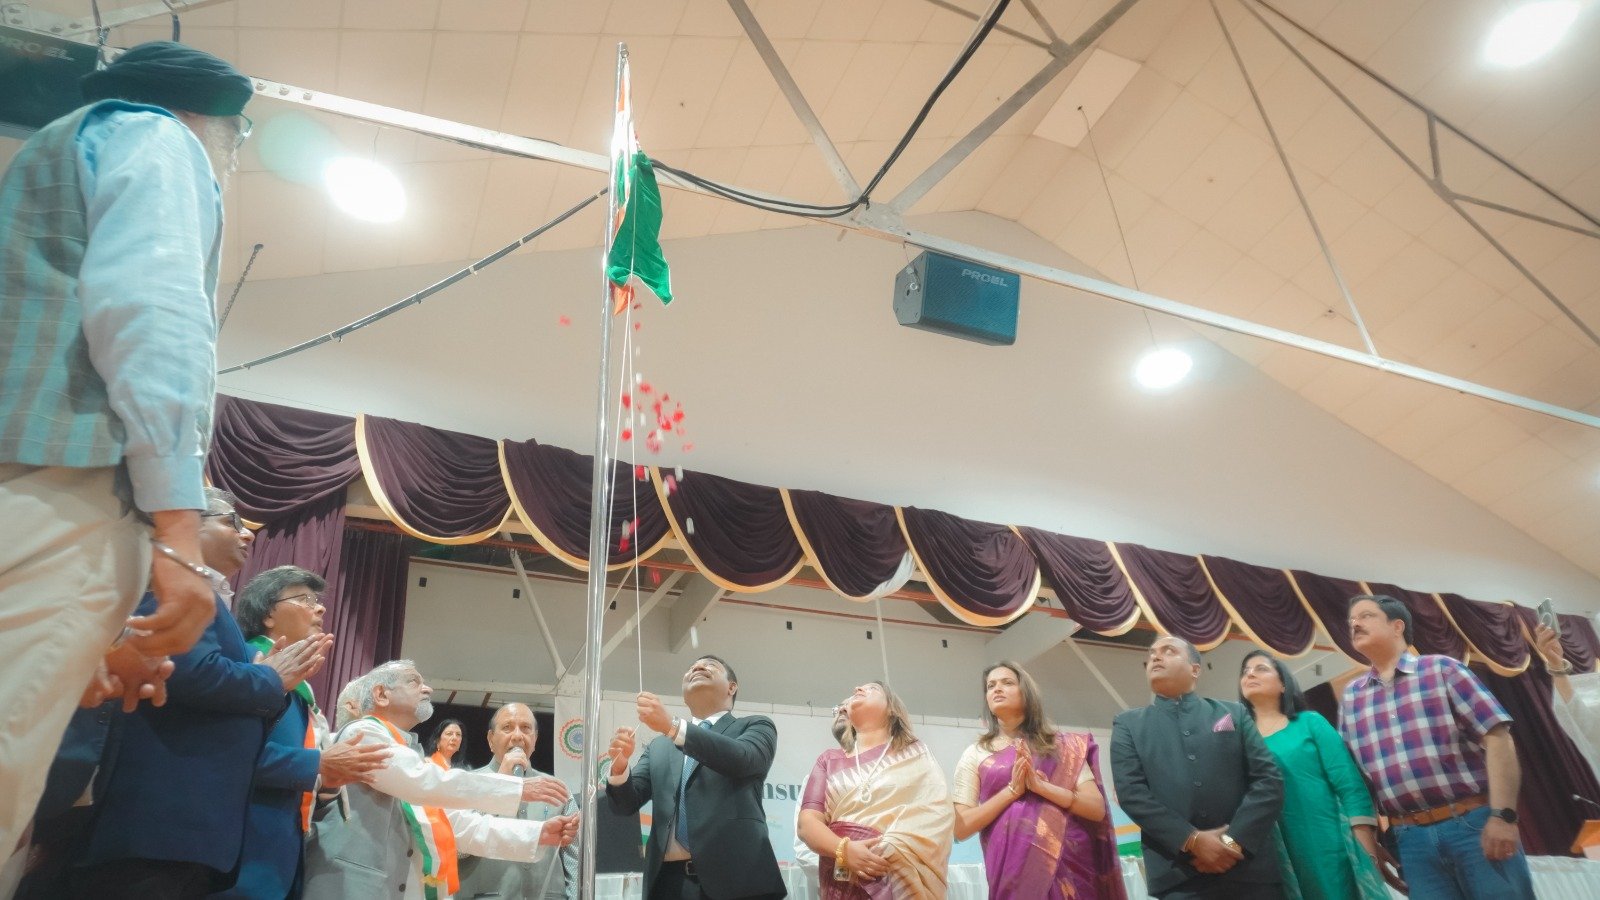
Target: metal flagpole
{"x": 600, "y": 495}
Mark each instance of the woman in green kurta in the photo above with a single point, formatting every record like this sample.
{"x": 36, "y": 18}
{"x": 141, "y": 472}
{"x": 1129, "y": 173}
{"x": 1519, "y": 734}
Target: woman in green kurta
{"x": 1328, "y": 827}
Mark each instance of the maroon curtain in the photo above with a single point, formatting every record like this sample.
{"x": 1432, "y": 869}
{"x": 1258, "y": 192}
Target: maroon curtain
{"x": 984, "y": 569}
{"x": 1579, "y": 642}
{"x": 1552, "y": 768}
{"x": 1495, "y": 629}
{"x": 1087, "y": 581}
{"x": 1329, "y": 599}
{"x": 857, "y": 545}
{"x": 551, "y": 488}
{"x": 310, "y": 537}
{"x": 1266, "y": 603}
{"x": 737, "y": 532}
{"x": 1322, "y": 699}
{"x": 1430, "y": 627}
{"x": 1178, "y": 593}
{"x": 367, "y": 614}
{"x": 277, "y": 459}
{"x": 443, "y": 486}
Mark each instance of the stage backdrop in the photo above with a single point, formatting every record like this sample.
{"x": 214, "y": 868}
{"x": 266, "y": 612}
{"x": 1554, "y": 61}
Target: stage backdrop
{"x": 802, "y": 734}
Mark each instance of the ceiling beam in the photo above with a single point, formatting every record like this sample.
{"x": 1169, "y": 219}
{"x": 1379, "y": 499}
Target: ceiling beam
{"x": 878, "y": 222}
{"x": 958, "y": 152}
{"x": 126, "y": 15}
{"x": 796, "y": 98}
{"x": 1029, "y": 638}
{"x": 693, "y": 607}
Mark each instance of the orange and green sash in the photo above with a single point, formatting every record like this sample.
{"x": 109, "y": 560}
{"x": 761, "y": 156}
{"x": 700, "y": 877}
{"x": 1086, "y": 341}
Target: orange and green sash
{"x": 434, "y": 837}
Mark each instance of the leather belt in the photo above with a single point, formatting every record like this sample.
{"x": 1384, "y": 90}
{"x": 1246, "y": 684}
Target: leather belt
{"x": 1441, "y": 813}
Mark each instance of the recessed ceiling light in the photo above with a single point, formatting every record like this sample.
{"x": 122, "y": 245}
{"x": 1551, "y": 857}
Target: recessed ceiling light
{"x": 1162, "y": 368}
{"x": 365, "y": 189}
{"x": 1529, "y": 32}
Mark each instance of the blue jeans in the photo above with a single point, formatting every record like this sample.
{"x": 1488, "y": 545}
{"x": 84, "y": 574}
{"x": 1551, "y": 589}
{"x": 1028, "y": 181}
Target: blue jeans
{"x": 1446, "y": 860}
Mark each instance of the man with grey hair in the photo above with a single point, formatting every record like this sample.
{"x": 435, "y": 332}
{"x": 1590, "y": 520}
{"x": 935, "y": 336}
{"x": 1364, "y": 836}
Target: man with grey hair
{"x": 110, "y": 241}
{"x": 513, "y": 731}
{"x": 399, "y": 835}
{"x": 1196, "y": 777}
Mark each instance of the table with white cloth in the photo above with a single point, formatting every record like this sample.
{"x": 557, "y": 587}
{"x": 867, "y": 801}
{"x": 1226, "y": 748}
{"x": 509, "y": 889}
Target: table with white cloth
{"x": 1554, "y": 878}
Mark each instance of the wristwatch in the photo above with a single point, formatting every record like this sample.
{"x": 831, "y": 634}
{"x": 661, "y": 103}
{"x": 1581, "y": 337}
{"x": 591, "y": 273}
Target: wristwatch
{"x": 1231, "y": 844}
{"x": 1507, "y": 815}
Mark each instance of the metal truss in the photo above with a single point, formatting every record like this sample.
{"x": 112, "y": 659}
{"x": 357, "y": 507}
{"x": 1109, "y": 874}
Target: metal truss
{"x": 882, "y": 221}
{"x": 1434, "y": 177}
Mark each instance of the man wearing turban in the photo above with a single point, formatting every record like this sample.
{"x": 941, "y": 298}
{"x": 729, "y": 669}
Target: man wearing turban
{"x": 110, "y": 236}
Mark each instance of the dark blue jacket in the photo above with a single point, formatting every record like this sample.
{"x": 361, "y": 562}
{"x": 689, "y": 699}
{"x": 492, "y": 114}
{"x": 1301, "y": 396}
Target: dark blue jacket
{"x": 180, "y": 784}
{"x": 274, "y": 845}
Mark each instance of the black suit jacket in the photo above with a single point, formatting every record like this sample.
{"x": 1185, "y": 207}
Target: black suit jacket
{"x": 1177, "y": 771}
{"x": 727, "y": 826}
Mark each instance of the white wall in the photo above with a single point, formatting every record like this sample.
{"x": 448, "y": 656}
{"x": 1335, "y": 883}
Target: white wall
{"x": 785, "y": 353}
{"x": 465, "y": 626}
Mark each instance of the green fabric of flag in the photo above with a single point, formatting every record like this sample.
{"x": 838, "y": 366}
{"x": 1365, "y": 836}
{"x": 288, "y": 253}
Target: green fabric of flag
{"x": 636, "y": 249}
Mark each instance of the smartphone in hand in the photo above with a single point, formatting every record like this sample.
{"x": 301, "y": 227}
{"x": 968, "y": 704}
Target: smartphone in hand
{"x": 1547, "y": 616}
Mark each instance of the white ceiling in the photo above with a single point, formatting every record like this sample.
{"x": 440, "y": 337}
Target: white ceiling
{"x": 1209, "y": 215}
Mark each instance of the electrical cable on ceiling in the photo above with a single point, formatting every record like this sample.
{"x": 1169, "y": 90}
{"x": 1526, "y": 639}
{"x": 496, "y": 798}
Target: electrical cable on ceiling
{"x": 835, "y": 210}
{"x": 339, "y": 333}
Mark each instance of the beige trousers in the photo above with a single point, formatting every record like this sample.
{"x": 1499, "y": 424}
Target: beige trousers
{"x": 72, "y": 568}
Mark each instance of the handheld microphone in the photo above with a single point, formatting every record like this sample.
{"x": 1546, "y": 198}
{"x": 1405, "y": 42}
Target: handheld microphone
{"x": 517, "y": 770}
{"x": 1586, "y": 802}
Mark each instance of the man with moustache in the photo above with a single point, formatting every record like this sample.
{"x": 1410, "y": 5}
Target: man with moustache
{"x": 703, "y": 777}
{"x": 1196, "y": 777}
{"x": 171, "y": 819}
{"x": 513, "y": 731}
{"x": 804, "y": 856}
{"x": 399, "y": 834}
{"x": 278, "y": 607}
{"x": 1436, "y": 747}
{"x": 110, "y": 238}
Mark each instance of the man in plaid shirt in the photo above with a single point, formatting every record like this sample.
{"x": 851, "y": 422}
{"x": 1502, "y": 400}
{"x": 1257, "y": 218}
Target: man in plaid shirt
{"x": 1436, "y": 748}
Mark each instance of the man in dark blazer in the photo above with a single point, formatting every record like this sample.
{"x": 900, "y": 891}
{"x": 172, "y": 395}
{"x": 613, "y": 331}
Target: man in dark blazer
{"x": 703, "y": 777}
{"x": 1195, "y": 776}
{"x": 170, "y": 822}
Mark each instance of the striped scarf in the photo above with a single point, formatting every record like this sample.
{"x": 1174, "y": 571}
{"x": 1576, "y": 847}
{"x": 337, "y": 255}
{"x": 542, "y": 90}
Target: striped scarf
{"x": 434, "y": 837}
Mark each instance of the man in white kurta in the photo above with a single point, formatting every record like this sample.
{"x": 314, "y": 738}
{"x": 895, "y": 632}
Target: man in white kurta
{"x": 1577, "y": 700}
{"x": 384, "y": 839}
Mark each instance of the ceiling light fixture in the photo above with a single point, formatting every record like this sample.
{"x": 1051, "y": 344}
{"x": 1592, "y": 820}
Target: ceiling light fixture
{"x": 365, "y": 189}
{"x": 1529, "y": 32}
{"x": 1162, "y": 368}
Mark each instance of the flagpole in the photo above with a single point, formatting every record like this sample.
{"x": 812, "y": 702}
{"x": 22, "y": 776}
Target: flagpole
{"x": 599, "y": 498}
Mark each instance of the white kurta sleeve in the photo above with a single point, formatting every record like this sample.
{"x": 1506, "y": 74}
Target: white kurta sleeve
{"x": 1580, "y": 716}
{"x": 413, "y": 779}
{"x": 494, "y": 837}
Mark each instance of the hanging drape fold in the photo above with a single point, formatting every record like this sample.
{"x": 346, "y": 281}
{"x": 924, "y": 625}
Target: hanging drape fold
{"x": 549, "y": 489}
{"x": 982, "y": 573}
{"x": 1174, "y": 593}
{"x": 441, "y": 486}
{"x": 1086, "y": 579}
{"x": 855, "y": 545}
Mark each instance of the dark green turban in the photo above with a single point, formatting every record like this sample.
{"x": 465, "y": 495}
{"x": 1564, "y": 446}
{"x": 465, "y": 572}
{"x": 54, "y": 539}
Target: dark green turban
{"x": 172, "y": 76}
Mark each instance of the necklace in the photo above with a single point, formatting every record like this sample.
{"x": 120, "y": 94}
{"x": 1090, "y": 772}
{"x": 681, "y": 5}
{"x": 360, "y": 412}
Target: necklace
{"x": 864, "y": 792}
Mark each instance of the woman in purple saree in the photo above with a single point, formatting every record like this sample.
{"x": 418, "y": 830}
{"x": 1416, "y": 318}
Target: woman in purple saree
{"x": 1035, "y": 794}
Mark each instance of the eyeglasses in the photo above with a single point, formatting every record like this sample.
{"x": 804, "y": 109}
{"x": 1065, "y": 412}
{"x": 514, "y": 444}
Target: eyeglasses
{"x": 231, "y": 516}
{"x": 245, "y": 127}
{"x": 309, "y": 601}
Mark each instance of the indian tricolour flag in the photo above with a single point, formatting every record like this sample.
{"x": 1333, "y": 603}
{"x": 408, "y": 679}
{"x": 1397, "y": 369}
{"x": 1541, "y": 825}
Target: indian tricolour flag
{"x": 636, "y": 227}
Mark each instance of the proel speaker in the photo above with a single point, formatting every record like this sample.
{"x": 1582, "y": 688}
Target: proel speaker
{"x": 959, "y": 298}
{"x": 40, "y": 74}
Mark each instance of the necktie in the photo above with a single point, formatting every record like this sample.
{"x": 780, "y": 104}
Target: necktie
{"x": 680, "y": 828}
